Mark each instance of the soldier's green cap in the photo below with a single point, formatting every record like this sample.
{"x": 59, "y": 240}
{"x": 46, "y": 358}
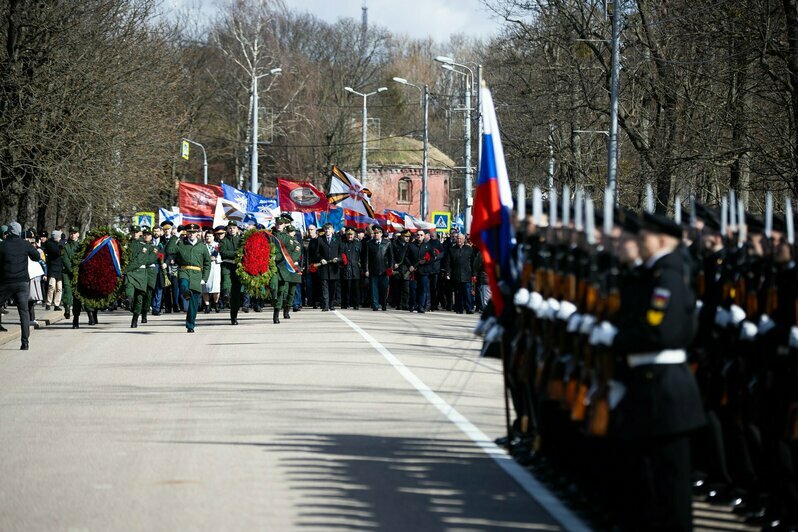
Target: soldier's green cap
{"x": 289, "y": 228}
{"x": 285, "y": 218}
{"x": 232, "y": 223}
{"x": 135, "y": 229}
{"x": 350, "y": 231}
{"x": 192, "y": 228}
{"x": 146, "y": 230}
{"x": 167, "y": 224}
{"x": 74, "y": 229}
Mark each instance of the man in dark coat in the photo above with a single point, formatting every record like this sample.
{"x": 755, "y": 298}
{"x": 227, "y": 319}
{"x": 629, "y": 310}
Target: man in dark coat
{"x": 15, "y": 253}
{"x": 660, "y": 404}
{"x": 53, "y": 249}
{"x": 400, "y": 283}
{"x": 377, "y": 259}
{"x": 425, "y": 258}
{"x": 350, "y": 271}
{"x": 435, "y": 271}
{"x": 460, "y": 270}
{"x": 328, "y": 257}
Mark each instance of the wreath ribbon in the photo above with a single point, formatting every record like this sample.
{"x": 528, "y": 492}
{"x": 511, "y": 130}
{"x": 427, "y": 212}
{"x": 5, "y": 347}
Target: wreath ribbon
{"x": 113, "y": 249}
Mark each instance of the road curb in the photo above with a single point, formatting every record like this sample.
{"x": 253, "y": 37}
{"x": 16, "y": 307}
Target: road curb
{"x": 14, "y": 332}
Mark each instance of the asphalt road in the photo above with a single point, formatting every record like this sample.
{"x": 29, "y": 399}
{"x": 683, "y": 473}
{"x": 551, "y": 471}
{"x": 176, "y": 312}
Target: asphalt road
{"x": 352, "y": 420}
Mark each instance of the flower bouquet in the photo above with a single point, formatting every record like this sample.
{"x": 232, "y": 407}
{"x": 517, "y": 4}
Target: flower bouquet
{"x": 256, "y": 264}
{"x": 97, "y": 279}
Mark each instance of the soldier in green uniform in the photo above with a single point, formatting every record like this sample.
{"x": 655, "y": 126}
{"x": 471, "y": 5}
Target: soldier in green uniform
{"x": 231, "y": 284}
{"x": 279, "y": 282}
{"x": 68, "y": 257}
{"x": 194, "y": 261}
{"x": 294, "y": 248}
{"x": 152, "y": 271}
{"x": 136, "y": 273}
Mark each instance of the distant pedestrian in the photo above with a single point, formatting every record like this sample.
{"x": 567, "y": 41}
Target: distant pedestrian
{"x": 15, "y": 254}
{"x": 53, "y": 249}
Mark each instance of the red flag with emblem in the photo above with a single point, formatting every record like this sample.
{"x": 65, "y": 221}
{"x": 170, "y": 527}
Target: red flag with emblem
{"x": 197, "y": 202}
{"x": 301, "y": 196}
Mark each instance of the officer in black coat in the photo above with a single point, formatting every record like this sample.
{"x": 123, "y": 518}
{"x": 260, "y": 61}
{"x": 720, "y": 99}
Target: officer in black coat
{"x": 400, "y": 283}
{"x": 377, "y": 260}
{"x": 460, "y": 270}
{"x": 350, "y": 270}
{"x": 434, "y": 270}
{"x": 660, "y": 404}
{"x": 328, "y": 257}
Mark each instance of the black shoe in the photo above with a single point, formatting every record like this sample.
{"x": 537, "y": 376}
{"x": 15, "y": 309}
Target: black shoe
{"x": 143, "y": 318}
{"x": 332, "y": 309}
{"x": 94, "y": 315}
{"x": 3, "y": 329}
{"x": 276, "y": 316}
{"x": 257, "y": 308}
{"x": 57, "y": 308}
{"x": 67, "y": 315}
{"x": 355, "y": 308}
{"x": 134, "y": 323}
{"x": 384, "y": 309}
{"x": 375, "y": 309}
{"x": 157, "y": 313}
{"x": 286, "y": 314}
{"x": 245, "y": 310}
{"x": 469, "y": 311}
{"x": 233, "y": 321}
{"x": 325, "y": 310}
{"x": 167, "y": 311}
{"x": 23, "y": 347}
{"x": 189, "y": 330}
{"x": 207, "y": 310}
{"x": 91, "y": 318}
{"x": 421, "y": 311}
{"x": 47, "y": 307}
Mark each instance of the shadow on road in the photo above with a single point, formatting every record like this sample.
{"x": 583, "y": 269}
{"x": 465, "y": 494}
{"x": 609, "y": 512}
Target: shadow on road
{"x": 357, "y": 482}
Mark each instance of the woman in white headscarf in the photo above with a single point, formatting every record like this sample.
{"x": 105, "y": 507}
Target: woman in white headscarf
{"x": 212, "y": 288}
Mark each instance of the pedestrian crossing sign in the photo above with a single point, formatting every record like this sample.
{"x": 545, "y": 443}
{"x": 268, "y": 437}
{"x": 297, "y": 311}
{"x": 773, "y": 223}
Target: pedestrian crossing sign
{"x": 442, "y": 221}
{"x": 184, "y": 150}
{"x": 143, "y": 219}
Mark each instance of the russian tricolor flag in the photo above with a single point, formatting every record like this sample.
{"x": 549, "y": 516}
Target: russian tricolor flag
{"x": 491, "y": 223}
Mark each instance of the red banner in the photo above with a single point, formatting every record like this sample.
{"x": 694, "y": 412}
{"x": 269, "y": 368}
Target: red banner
{"x": 301, "y": 196}
{"x": 198, "y": 202}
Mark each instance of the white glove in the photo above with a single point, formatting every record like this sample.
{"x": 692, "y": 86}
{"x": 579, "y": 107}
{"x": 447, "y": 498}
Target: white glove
{"x": 566, "y": 310}
{"x": 794, "y": 337}
{"x": 484, "y": 325}
{"x": 542, "y": 309}
{"x": 521, "y": 297}
{"x": 535, "y": 300}
{"x": 737, "y": 315}
{"x": 722, "y": 317}
{"x": 748, "y": 331}
{"x": 698, "y": 306}
{"x": 595, "y": 334}
{"x": 765, "y": 324}
{"x": 554, "y": 308}
{"x": 574, "y": 322}
{"x": 607, "y": 332}
{"x": 588, "y": 321}
{"x": 494, "y": 334}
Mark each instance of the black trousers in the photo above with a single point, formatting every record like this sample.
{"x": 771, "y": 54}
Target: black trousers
{"x": 20, "y": 292}
{"x": 658, "y": 480}
{"x": 350, "y": 293}
{"x": 328, "y": 292}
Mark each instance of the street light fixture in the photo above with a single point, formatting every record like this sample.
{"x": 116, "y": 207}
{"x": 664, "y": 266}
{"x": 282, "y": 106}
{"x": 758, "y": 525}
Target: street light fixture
{"x": 204, "y": 159}
{"x": 253, "y": 178}
{"x": 450, "y": 64}
{"x": 424, "y": 168}
{"x": 365, "y": 126}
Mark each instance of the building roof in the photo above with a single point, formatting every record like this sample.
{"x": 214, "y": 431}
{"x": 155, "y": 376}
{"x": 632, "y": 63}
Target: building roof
{"x": 406, "y": 152}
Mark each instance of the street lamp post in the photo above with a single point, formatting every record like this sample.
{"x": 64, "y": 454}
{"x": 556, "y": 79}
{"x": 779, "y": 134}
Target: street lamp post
{"x": 424, "y": 165}
{"x": 253, "y": 178}
{"x": 450, "y": 64}
{"x": 204, "y": 160}
{"x": 365, "y": 126}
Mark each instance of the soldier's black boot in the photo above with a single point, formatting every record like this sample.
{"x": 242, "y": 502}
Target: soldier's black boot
{"x": 94, "y": 315}
{"x": 90, "y": 314}
{"x": 286, "y": 314}
{"x": 76, "y": 322}
{"x": 143, "y": 317}
{"x": 134, "y": 323}
{"x": 276, "y": 316}
{"x": 67, "y": 314}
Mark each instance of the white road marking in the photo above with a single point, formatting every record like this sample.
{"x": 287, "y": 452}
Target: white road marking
{"x": 535, "y": 489}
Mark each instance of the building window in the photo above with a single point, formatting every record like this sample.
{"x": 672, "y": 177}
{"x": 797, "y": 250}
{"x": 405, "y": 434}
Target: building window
{"x": 405, "y": 190}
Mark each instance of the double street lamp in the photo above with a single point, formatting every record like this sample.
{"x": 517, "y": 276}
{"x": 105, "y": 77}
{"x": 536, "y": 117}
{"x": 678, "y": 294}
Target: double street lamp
{"x": 253, "y": 179}
{"x": 450, "y": 64}
{"x": 365, "y": 125}
{"x": 425, "y": 103}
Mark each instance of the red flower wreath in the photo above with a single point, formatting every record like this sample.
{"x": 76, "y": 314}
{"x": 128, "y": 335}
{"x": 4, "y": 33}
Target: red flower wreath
{"x": 256, "y": 254}
{"x": 97, "y": 278}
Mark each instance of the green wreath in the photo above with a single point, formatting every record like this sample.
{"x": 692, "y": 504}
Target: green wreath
{"x": 95, "y": 280}
{"x": 255, "y": 264}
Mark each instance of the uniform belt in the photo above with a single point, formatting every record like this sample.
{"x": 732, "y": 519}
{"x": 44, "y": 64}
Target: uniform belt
{"x": 667, "y": 356}
{"x": 193, "y": 268}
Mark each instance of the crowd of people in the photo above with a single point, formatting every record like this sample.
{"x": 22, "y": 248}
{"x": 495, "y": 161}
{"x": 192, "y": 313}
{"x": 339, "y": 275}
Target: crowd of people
{"x": 352, "y": 268}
